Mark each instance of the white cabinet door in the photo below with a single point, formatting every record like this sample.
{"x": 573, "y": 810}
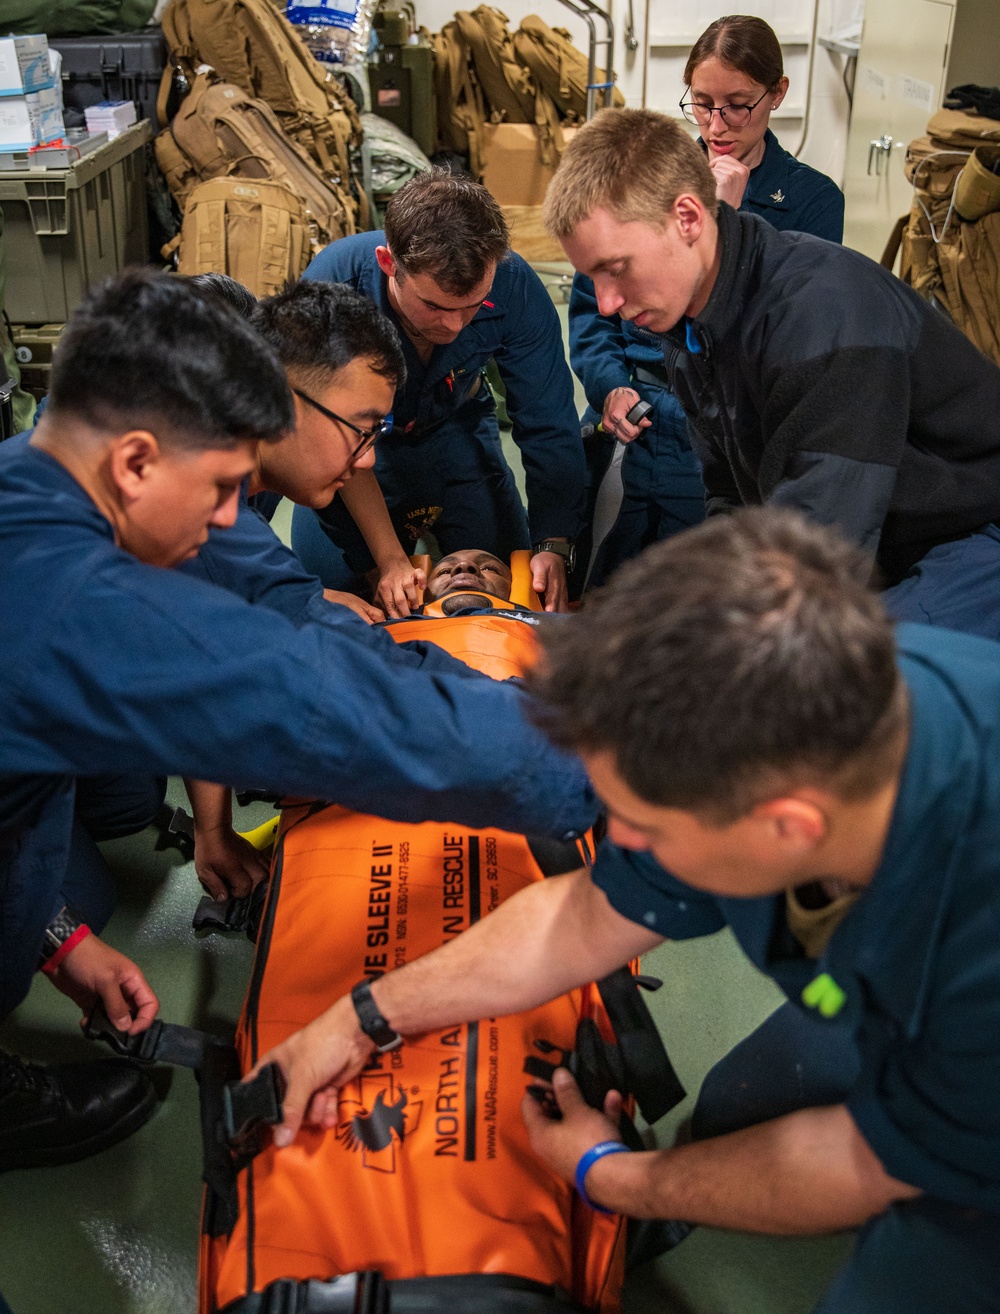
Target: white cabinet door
{"x": 901, "y": 69}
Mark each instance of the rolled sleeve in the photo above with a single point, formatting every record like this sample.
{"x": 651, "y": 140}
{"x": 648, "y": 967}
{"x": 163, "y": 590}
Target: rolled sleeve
{"x": 644, "y": 892}
{"x": 929, "y": 1107}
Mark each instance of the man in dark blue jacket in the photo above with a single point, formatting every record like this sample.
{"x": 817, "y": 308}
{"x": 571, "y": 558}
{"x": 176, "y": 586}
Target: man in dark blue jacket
{"x": 620, "y": 365}
{"x": 443, "y": 273}
{"x": 115, "y": 663}
{"x": 812, "y": 377}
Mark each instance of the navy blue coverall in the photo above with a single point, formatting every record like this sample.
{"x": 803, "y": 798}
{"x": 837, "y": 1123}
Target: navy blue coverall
{"x": 913, "y": 1045}
{"x": 114, "y": 666}
{"x": 442, "y": 468}
{"x": 661, "y": 476}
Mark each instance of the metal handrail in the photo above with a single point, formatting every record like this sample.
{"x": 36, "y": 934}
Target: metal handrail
{"x": 586, "y": 9}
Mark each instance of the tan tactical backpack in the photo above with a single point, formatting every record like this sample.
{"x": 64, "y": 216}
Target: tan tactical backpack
{"x": 461, "y": 109}
{"x": 558, "y": 68}
{"x": 477, "y": 48}
{"x": 951, "y": 242}
{"x": 249, "y": 43}
{"x": 507, "y": 87}
{"x": 257, "y": 232}
{"x": 221, "y": 132}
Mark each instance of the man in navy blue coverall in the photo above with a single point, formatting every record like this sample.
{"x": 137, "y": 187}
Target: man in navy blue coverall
{"x": 443, "y": 273}
{"x": 115, "y": 663}
{"x": 811, "y": 377}
{"x": 773, "y": 759}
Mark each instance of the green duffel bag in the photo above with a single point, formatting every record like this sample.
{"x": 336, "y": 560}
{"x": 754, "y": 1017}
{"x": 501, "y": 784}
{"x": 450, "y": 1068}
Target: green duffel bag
{"x": 75, "y": 17}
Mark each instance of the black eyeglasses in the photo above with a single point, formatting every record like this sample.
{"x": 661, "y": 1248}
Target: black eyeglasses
{"x": 369, "y": 437}
{"x": 736, "y": 116}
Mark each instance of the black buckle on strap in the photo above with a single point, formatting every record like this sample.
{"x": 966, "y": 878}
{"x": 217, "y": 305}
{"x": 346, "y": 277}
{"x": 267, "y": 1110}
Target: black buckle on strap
{"x": 233, "y": 1114}
{"x": 250, "y": 1106}
{"x": 353, "y": 1293}
{"x": 161, "y": 1042}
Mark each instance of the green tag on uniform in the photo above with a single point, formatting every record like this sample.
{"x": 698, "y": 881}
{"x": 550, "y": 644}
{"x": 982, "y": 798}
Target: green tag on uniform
{"x": 824, "y": 994}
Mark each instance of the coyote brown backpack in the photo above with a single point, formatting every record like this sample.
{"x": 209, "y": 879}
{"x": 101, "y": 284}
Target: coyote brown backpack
{"x": 257, "y": 232}
{"x": 507, "y": 87}
{"x": 951, "y": 250}
{"x": 251, "y": 44}
{"x": 509, "y": 91}
{"x": 221, "y": 132}
{"x": 461, "y": 110}
{"x": 558, "y": 68}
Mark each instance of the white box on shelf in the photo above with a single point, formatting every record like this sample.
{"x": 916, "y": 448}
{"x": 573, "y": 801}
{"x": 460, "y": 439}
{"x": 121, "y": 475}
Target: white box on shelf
{"x": 32, "y": 120}
{"x": 110, "y": 116}
{"x": 24, "y": 65}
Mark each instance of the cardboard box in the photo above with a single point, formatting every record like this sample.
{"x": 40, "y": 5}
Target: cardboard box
{"x": 24, "y": 65}
{"x": 513, "y": 171}
{"x": 32, "y": 120}
{"x": 528, "y": 236}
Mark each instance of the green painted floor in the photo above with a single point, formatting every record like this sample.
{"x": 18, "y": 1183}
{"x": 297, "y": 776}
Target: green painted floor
{"x": 118, "y": 1234}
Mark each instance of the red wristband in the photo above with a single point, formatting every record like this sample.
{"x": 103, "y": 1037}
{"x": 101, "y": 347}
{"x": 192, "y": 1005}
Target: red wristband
{"x": 65, "y": 948}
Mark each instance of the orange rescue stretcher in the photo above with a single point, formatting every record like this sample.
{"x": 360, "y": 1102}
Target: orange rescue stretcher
{"x": 426, "y": 1197}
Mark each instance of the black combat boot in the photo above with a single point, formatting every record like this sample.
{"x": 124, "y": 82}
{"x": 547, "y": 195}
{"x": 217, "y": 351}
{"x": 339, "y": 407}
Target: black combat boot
{"x": 68, "y": 1111}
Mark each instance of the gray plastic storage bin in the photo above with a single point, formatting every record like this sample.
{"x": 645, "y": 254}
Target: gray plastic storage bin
{"x": 66, "y": 229}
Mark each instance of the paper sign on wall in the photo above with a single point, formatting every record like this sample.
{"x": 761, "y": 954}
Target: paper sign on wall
{"x": 874, "y": 82}
{"x": 912, "y": 91}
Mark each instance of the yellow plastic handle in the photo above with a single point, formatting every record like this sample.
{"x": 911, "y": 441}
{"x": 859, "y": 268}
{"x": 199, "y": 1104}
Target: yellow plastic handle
{"x": 262, "y": 837}
{"x": 521, "y": 590}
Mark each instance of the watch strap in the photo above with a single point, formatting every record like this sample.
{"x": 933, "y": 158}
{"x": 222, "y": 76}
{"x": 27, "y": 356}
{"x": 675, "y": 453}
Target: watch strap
{"x": 371, "y": 1021}
{"x": 562, "y": 548}
{"x": 63, "y": 933}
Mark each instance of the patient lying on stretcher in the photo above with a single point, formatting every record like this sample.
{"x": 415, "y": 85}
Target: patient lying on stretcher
{"x": 459, "y": 576}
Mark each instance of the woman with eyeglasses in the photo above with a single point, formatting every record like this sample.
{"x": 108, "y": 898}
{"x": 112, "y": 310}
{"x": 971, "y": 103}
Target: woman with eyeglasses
{"x": 734, "y": 80}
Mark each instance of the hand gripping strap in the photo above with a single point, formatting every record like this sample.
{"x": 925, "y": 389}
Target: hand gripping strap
{"x": 233, "y": 1114}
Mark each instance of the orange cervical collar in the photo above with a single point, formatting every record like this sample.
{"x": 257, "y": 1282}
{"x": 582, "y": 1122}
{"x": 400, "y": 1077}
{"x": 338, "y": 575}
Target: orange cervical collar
{"x": 498, "y": 604}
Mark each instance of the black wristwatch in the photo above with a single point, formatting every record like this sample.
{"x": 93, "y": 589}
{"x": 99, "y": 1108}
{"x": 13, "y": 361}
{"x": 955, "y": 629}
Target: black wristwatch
{"x": 371, "y": 1021}
{"x": 562, "y": 547}
{"x": 62, "y": 927}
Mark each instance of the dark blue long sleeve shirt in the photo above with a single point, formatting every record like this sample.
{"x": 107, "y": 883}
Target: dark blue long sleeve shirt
{"x": 517, "y": 326}
{"x": 111, "y": 665}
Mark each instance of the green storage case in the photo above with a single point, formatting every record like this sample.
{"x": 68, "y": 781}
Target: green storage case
{"x": 66, "y": 229}
{"x": 33, "y": 348}
{"x": 402, "y": 90}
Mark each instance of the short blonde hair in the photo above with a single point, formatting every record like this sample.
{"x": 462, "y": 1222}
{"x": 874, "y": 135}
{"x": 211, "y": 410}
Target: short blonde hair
{"x": 635, "y": 163}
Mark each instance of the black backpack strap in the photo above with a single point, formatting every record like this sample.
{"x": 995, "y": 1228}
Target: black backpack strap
{"x": 649, "y": 1073}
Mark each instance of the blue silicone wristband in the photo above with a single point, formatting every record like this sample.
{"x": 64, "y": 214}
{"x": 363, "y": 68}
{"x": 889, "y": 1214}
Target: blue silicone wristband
{"x": 587, "y": 1162}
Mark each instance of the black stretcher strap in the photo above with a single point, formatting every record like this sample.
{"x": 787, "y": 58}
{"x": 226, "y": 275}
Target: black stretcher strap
{"x": 370, "y": 1293}
{"x": 555, "y": 857}
{"x": 233, "y": 1114}
{"x": 648, "y": 1071}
